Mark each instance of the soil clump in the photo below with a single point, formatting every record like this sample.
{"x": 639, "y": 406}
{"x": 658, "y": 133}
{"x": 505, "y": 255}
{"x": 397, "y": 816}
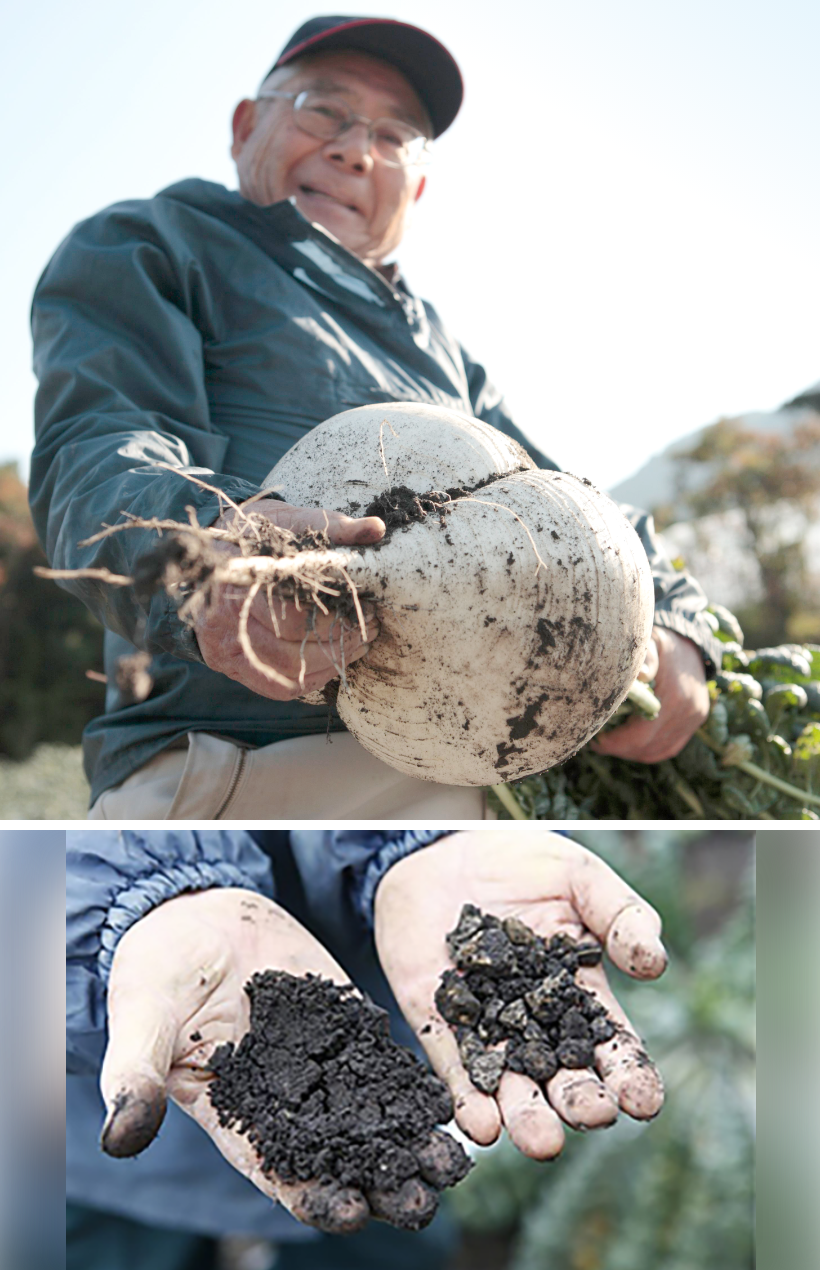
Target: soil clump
{"x": 514, "y": 1003}
{"x": 324, "y": 1093}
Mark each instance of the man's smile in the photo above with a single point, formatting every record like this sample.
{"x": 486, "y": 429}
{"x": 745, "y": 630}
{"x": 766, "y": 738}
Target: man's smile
{"x": 313, "y": 192}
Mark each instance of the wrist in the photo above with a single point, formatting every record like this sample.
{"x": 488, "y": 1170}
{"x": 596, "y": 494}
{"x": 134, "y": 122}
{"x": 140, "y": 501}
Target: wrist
{"x": 390, "y": 856}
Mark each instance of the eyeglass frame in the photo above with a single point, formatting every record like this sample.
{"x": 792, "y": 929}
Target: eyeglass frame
{"x": 424, "y": 155}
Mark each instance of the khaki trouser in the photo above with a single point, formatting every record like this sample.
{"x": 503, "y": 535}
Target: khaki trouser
{"x": 306, "y": 778}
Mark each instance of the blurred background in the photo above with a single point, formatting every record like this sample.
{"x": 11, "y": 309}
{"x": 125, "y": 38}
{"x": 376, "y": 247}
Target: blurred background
{"x": 676, "y": 1194}
{"x": 620, "y": 224}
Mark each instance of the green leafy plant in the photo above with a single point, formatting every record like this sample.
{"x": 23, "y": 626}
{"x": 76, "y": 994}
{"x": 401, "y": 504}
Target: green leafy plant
{"x": 756, "y": 758}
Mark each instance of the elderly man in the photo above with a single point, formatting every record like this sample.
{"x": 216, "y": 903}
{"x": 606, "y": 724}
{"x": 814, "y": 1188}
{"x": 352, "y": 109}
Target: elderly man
{"x": 203, "y": 332}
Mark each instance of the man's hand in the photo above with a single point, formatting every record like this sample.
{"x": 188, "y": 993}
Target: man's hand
{"x": 175, "y": 994}
{"x": 554, "y": 886}
{"x": 676, "y": 665}
{"x": 301, "y": 646}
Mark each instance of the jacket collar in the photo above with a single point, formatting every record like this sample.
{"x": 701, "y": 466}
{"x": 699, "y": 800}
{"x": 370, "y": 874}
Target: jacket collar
{"x": 310, "y": 254}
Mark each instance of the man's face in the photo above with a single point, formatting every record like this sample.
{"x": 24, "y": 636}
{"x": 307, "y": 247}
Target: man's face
{"x": 341, "y": 184}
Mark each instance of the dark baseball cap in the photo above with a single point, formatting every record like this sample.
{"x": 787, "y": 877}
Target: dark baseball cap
{"x": 423, "y": 62}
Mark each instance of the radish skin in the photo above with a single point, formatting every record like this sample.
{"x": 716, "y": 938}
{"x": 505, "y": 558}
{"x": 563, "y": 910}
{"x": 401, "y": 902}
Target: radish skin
{"x": 511, "y": 629}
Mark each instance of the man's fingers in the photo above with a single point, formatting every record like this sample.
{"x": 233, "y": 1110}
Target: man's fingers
{"x": 286, "y": 621}
{"x": 528, "y": 1118}
{"x": 307, "y": 666}
{"x": 629, "y": 928}
{"x": 329, "y": 1206}
{"x": 442, "y": 1162}
{"x": 476, "y": 1114}
{"x": 341, "y": 529}
{"x": 634, "y": 944}
{"x": 623, "y": 1063}
{"x": 649, "y": 669}
{"x": 133, "y": 1118}
{"x": 412, "y": 1206}
{"x": 582, "y": 1100}
{"x": 142, "y": 1030}
{"x": 355, "y": 531}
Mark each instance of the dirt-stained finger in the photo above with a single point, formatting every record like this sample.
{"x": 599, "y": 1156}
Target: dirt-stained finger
{"x": 582, "y": 1100}
{"x": 340, "y": 529}
{"x": 442, "y": 1162}
{"x": 634, "y": 944}
{"x": 328, "y": 1206}
{"x": 286, "y": 621}
{"x": 476, "y": 1114}
{"x": 531, "y": 1122}
{"x": 411, "y": 1207}
{"x": 134, "y": 1118}
{"x": 622, "y": 1062}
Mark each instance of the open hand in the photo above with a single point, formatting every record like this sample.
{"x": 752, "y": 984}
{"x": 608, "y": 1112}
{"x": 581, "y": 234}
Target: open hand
{"x": 676, "y": 665}
{"x": 554, "y": 885}
{"x": 175, "y": 994}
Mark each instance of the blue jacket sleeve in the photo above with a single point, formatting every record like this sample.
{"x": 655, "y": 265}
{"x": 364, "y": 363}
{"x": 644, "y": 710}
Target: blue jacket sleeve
{"x": 112, "y": 879}
{"x": 118, "y": 321}
{"x": 341, "y": 869}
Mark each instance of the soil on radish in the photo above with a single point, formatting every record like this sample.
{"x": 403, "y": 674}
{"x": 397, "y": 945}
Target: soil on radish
{"x": 514, "y": 1002}
{"x": 401, "y": 506}
{"x": 324, "y": 1093}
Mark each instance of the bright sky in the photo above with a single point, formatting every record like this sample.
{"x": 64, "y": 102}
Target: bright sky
{"x": 622, "y": 223}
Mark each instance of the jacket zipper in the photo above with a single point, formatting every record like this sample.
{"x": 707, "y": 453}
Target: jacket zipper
{"x": 239, "y": 767}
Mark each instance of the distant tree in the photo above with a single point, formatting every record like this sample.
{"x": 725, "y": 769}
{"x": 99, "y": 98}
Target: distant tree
{"x": 48, "y": 640}
{"x": 773, "y": 479}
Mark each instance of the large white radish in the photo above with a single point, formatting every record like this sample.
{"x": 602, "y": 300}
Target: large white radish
{"x": 511, "y": 628}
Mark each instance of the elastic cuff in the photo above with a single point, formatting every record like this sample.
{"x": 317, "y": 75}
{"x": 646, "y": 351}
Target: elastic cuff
{"x": 701, "y": 636}
{"x": 388, "y": 855}
{"x": 135, "y": 901}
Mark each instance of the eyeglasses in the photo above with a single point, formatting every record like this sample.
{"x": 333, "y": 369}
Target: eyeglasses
{"x": 325, "y": 116}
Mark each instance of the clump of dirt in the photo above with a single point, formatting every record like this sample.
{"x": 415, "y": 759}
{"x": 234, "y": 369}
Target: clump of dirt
{"x": 402, "y": 506}
{"x": 514, "y": 1001}
{"x": 324, "y": 1093}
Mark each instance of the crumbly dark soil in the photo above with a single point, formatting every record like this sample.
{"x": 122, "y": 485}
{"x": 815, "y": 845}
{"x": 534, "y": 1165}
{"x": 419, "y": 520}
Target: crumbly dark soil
{"x": 324, "y": 1093}
{"x": 401, "y": 506}
{"x": 514, "y": 1002}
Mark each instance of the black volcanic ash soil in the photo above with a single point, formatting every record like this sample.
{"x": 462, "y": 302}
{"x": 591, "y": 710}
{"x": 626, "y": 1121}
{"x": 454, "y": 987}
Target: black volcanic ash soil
{"x": 514, "y": 1003}
{"x": 324, "y": 1093}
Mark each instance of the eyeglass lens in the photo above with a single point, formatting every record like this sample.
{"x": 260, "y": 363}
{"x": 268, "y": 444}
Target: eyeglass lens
{"x": 323, "y": 115}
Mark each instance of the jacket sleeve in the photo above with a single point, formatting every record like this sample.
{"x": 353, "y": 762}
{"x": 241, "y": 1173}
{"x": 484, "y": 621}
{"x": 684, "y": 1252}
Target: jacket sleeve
{"x": 680, "y": 604}
{"x": 341, "y": 869}
{"x": 118, "y": 354}
{"x": 112, "y": 879}
{"x": 679, "y": 600}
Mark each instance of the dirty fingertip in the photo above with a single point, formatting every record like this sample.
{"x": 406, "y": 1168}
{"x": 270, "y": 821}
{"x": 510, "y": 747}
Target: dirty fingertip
{"x": 641, "y": 1096}
{"x": 478, "y": 1116}
{"x": 443, "y": 1161}
{"x": 368, "y": 529}
{"x": 331, "y": 1208}
{"x": 411, "y": 1207}
{"x": 132, "y": 1122}
{"x": 634, "y": 943}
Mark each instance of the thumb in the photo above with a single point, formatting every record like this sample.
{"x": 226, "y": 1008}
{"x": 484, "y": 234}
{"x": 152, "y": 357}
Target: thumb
{"x": 355, "y": 531}
{"x": 142, "y": 1031}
